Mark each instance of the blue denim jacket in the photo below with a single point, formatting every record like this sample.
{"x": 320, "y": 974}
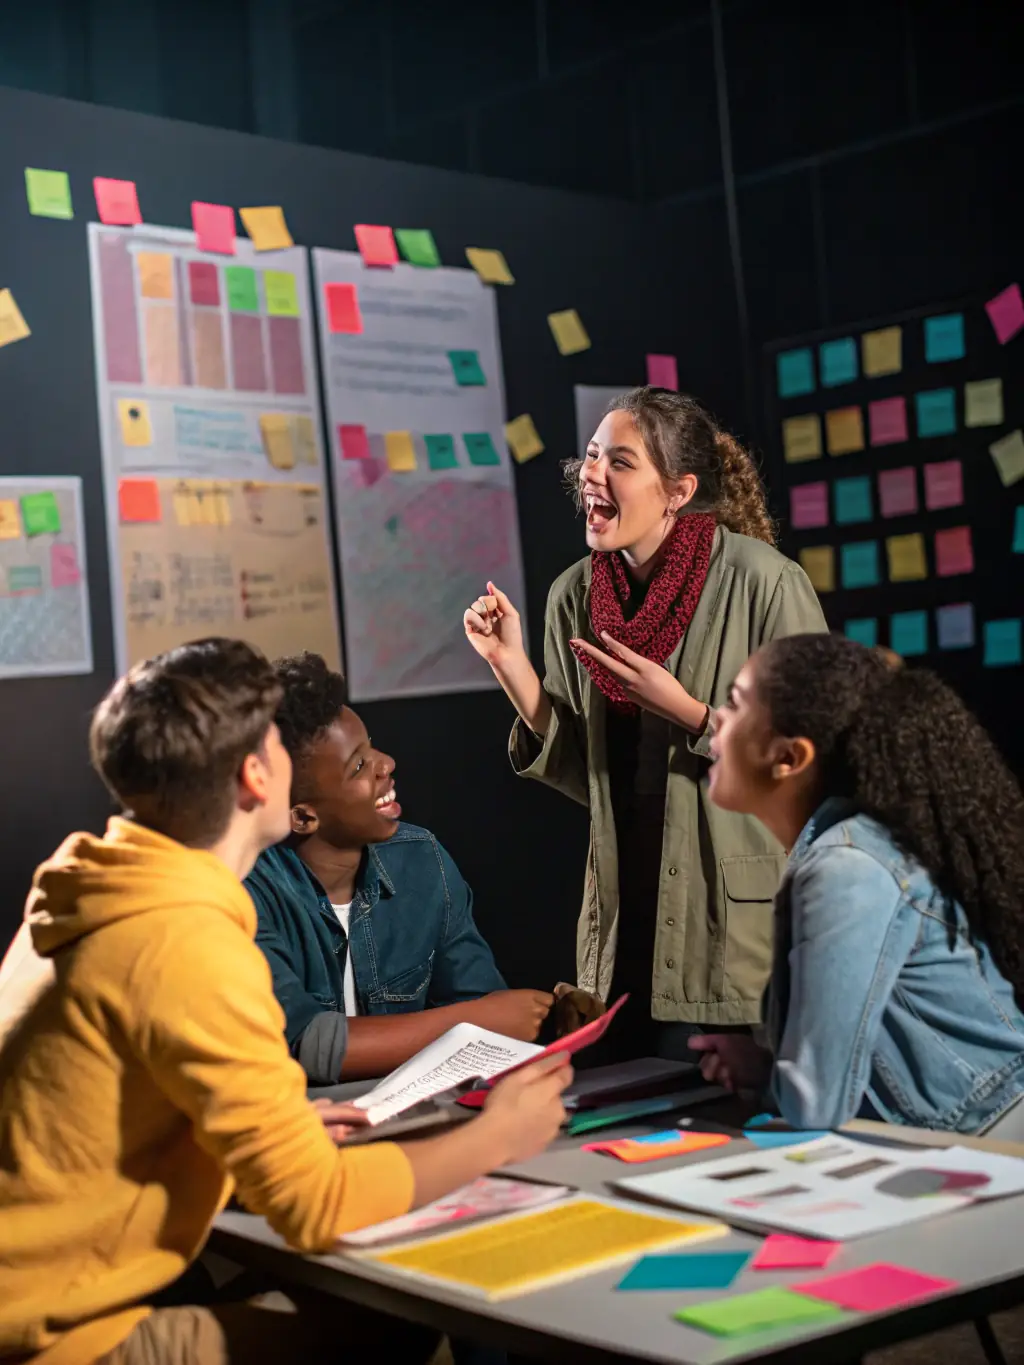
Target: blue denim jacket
{"x": 880, "y": 1006}
{"x": 413, "y": 941}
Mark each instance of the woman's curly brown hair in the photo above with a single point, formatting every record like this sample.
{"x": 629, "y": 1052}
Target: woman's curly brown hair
{"x": 681, "y": 438}
{"x": 905, "y": 749}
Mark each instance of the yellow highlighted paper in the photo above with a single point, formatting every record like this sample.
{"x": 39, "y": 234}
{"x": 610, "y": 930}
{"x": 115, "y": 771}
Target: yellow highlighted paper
{"x": 10, "y": 522}
{"x": 513, "y": 1255}
{"x": 267, "y": 228}
{"x": 844, "y": 430}
{"x": 907, "y": 561}
{"x": 490, "y": 265}
{"x": 819, "y": 564}
{"x": 801, "y": 438}
{"x": 305, "y": 439}
{"x": 882, "y": 351}
{"x": 400, "y": 451}
{"x": 523, "y": 439}
{"x": 569, "y": 333}
{"x": 136, "y": 428}
{"x": 276, "y": 430}
{"x": 200, "y": 502}
{"x": 13, "y": 326}
{"x": 156, "y": 277}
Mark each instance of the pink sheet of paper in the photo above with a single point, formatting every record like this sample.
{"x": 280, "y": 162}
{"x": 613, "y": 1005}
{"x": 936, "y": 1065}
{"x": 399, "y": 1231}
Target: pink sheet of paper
{"x": 887, "y": 420}
{"x": 779, "y": 1252}
{"x": 64, "y": 570}
{"x": 897, "y": 491}
{"x": 808, "y": 505}
{"x": 954, "y": 552}
{"x": 662, "y": 371}
{"x": 1006, "y": 313}
{"x": 943, "y": 485}
{"x": 214, "y": 226}
{"x": 117, "y": 201}
{"x": 874, "y": 1288}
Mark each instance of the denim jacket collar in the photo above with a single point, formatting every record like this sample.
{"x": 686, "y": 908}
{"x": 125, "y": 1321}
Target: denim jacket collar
{"x": 372, "y": 879}
{"x": 832, "y": 811}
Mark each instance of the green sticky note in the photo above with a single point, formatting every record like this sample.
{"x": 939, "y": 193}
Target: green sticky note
{"x": 908, "y": 633}
{"x": 480, "y": 448}
{"x": 1018, "y": 531}
{"x": 282, "y": 295}
{"x": 441, "y": 452}
{"x": 864, "y": 630}
{"x": 40, "y": 513}
{"x": 417, "y": 246}
{"x": 853, "y": 500}
{"x": 466, "y": 368}
{"x": 49, "y": 193}
{"x": 243, "y": 296}
{"x": 391, "y": 525}
{"x": 738, "y": 1314}
{"x": 1003, "y": 643}
{"x": 24, "y": 578}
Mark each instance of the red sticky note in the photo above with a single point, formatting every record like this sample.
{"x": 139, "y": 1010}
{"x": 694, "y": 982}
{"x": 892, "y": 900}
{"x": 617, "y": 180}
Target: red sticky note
{"x": 343, "y": 313}
{"x": 887, "y": 418}
{"x": 943, "y": 485}
{"x": 117, "y": 201}
{"x": 138, "y": 500}
{"x": 874, "y": 1288}
{"x": 1006, "y": 313}
{"x": 662, "y": 371}
{"x": 214, "y": 226}
{"x": 354, "y": 442}
{"x": 954, "y": 552}
{"x": 376, "y": 244}
{"x": 897, "y": 492}
{"x": 792, "y": 1253}
{"x": 808, "y": 505}
{"x": 203, "y": 286}
{"x": 64, "y": 570}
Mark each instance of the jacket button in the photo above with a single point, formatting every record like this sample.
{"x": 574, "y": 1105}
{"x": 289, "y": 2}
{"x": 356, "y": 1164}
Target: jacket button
{"x": 672, "y": 871}
{"x": 669, "y": 962}
{"x": 670, "y": 922}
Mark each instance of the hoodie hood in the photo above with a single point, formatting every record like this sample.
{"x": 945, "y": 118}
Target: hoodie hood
{"x": 91, "y": 882}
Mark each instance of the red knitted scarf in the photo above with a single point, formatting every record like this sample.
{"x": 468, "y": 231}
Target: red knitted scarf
{"x": 666, "y": 611}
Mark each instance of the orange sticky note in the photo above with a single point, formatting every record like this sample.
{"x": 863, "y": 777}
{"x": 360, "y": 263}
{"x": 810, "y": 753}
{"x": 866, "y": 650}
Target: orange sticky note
{"x": 117, "y": 201}
{"x": 819, "y": 564}
{"x": 138, "y": 500}
{"x": 400, "y": 451}
{"x": 156, "y": 275}
{"x": 267, "y": 228}
{"x": 844, "y": 430}
{"x": 907, "y": 560}
{"x": 10, "y": 522}
{"x": 214, "y": 226}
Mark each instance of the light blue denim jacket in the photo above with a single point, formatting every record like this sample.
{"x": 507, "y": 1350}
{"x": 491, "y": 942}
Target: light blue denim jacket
{"x": 880, "y": 1006}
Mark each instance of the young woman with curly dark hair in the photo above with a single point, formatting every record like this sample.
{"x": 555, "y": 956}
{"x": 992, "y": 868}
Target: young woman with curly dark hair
{"x": 642, "y": 637}
{"x": 898, "y": 923}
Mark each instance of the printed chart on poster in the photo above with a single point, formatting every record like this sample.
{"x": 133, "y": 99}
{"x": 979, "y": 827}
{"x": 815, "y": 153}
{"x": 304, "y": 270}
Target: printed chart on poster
{"x": 212, "y": 453}
{"x": 425, "y": 498}
{"x": 44, "y": 594}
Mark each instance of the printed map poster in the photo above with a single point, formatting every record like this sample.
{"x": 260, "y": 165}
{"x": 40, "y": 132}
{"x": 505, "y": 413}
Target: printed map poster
{"x": 44, "y": 592}
{"x": 424, "y": 488}
{"x": 213, "y": 462}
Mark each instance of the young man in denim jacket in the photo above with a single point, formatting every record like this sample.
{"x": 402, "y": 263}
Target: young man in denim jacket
{"x": 366, "y": 922}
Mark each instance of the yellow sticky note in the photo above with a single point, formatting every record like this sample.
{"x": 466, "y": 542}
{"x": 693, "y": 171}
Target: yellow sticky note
{"x": 983, "y": 403}
{"x": 490, "y": 265}
{"x": 267, "y": 228}
{"x": 907, "y": 561}
{"x": 305, "y": 440}
{"x": 222, "y": 505}
{"x": 136, "y": 428}
{"x": 401, "y": 452}
{"x": 801, "y": 438}
{"x": 882, "y": 351}
{"x": 276, "y": 430}
{"x": 10, "y": 522}
{"x": 844, "y": 430}
{"x": 181, "y": 501}
{"x": 13, "y": 326}
{"x": 523, "y": 439}
{"x": 569, "y": 333}
{"x": 156, "y": 275}
{"x": 819, "y": 564}
{"x": 208, "y": 498}
{"x": 1008, "y": 453}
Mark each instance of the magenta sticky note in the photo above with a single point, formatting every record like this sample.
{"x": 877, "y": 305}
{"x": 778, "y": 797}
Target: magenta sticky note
{"x": 887, "y": 421}
{"x": 897, "y": 491}
{"x": 779, "y": 1252}
{"x": 1006, "y": 313}
{"x": 943, "y": 485}
{"x": 368, "y": 472}
{"x": 354, "y": 442}
{"x": 214, "y": 226}
{"x": 954, "y": 552}
{"x": 117, "y": 201}
{"x": 662, "y": 371}
{"x": 874, "y": 1288}
{"x": 64, "y": 570}
{"x": 808, "y": 505}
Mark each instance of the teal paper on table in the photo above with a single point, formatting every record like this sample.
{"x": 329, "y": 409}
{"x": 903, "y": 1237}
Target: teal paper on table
{"x": 480, "y": 448}
{"x": 864, "y": 630}
{"x": 767, "y": 1138}
{"x": 860, "y": 564}
{"x": 1018, "y": 532}
{"x": 795, "y": 372}
{"x": 466, "y": 368}
{"x": 853, "y": 500}
{"x": 712, "y": 1270}
{"x": 838, "y": 362}
{"x": 944, "y": 338}
{"x": 1003, "y": 646}
{"x": 908, "y": 633}
{"x": 954, "y": 626}
{"x": 936, "y": 412}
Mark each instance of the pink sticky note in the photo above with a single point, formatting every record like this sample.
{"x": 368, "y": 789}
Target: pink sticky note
{"x": 897, "y": 492}
{"x": 887, "y": 418}
{"x": 354, "y": 442}
{"x": 874, "y": 1288}
{"x": 343, "y": 313}
{"x": 64, "y": 570}
{"x": 202, "y": 283}
{"x": 376, "y": 244}
{"x": 369, "y": 471}
{"x": 1006, "y": 313}
{"x": 662, "y": 371}
{"x": 808, "y": 505}
{"x": 954, "y": 552}
{"x": 943, "y": 485}
{"x": 214, "y": 226}
{"x": 792, "y": 1253}
{"x": 117, "y": 201}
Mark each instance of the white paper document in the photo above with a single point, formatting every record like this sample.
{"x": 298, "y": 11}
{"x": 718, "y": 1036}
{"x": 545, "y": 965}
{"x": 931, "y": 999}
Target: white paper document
{"x": 484, "y": 1198}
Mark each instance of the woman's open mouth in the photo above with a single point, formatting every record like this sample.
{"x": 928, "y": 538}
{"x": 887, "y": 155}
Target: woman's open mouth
{"x": 600, "y": 512}
{"x": 387, "y": 806}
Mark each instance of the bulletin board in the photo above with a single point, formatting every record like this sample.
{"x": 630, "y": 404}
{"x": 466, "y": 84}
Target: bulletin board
{"x": 214, "y": 482}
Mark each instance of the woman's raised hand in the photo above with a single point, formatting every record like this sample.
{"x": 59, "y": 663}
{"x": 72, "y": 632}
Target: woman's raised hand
{"x": 493, "y": 628}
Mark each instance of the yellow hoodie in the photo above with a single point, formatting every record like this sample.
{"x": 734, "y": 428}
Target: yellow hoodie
{"x": 144, "y": 1084}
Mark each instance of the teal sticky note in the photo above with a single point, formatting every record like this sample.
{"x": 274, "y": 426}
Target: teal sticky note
{"x": 441, "y": 452}
{"x": 480, "y": 448}
{"x": 767, "y": 1138}
{"x": 864, "y": 630}
{"x": 908, "y": 633}
{"x": 837, "y": 362}
{"x": 1003, "y": 643}
{"x": 944, "y": 338}
{"x": 795, "y": 370}
{"x": 417, "y": 246}
{"x": 853, "y": 500}
{"x": 24, "y": 578}
{"x": 466, "y": 368}
{"x": 954, "y": 626}
{"x": 243, "y": 296}
{"x": 936, "y": 412}
{"x": 1018, "y": 531}
{"x": 860, "y": 564}
{"x": 711, "y": 1270}
{"x": 40, "y": 514}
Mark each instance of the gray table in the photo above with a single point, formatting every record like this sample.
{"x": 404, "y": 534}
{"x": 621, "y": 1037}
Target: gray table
{"x": 981, "y": 1247}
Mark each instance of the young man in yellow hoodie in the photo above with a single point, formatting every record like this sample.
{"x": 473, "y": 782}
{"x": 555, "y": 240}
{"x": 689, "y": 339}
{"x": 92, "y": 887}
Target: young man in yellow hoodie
{"x": 150, "y": 1077}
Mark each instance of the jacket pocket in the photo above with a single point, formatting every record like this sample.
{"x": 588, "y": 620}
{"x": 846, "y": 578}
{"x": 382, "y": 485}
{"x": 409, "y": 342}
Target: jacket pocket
{"x": 405, "y": 993}
{"x": 748, "y": 892}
